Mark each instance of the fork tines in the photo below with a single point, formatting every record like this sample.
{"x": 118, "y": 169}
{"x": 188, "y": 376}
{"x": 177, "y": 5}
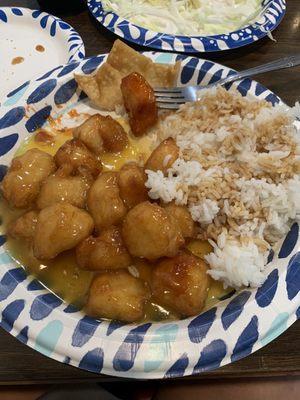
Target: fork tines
{"x": 169, "y": 98}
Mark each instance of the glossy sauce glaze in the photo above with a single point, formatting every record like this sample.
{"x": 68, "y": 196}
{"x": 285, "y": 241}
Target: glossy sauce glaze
{"x": 62, "y": 275}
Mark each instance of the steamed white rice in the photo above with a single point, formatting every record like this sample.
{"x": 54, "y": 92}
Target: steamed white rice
{"x": 238, "y": 174}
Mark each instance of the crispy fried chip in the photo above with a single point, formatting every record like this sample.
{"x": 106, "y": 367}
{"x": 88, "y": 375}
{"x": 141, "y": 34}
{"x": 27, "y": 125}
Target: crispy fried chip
{"x": 126, "y": 60}
{"x": 109, "y": 81}
{"x": 162, "y": 75}
{"x": 89, "y": 85}
{"x": 103, "y": 88}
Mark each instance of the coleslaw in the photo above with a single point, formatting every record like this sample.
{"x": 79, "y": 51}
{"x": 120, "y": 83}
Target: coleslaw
{"x": 187, "y": 17}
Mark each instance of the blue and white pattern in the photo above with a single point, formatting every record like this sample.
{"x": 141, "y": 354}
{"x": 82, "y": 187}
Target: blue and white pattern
{"x": 233, "y": 329}
{"x": 54, "y": 25}
{"x": 270, "y": 17}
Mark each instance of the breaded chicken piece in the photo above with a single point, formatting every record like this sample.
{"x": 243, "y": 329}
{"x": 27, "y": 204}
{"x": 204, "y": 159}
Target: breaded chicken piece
{"x": 181, "y": 283}
{"x": 163, "y": 157}
{"x": 60, "y": 227}
{"x": 24, "y": 226}
{"x": 183, "y": 218}
{"x": 102, "y": 133}
{"x": 75, "y": 154}
{"x": 140, "y": 103}
{"x": 58, "y": 188}
{"x": 132, "y": 187}
{"x": 107, "y": 251}
{"x": 104, "y": 201}
{"x": 23, "y": 180}
{"x": 117, "y": 295}
{"x": 149, "y": 232}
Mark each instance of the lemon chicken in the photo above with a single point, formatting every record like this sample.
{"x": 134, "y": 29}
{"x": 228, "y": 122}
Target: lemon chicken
{"x": 106, "y": 251}
{"x": 102, "y": 133}
{"x": 61, "y": 188}
{"x": 134, "y": 248}
{"x": 22, "y": 183}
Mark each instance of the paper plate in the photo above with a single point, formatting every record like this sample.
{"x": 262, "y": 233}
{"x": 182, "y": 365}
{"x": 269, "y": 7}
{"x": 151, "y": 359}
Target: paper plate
{"x": 233, "y": 329}
{"x": 32, "y": 42}
{"x": 270, "y": 17}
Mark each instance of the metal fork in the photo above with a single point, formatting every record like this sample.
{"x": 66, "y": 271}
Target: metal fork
{"x": 172, "y": 98}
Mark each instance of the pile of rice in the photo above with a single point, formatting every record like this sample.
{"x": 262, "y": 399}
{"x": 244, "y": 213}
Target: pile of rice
{"x": 238, "y": 174}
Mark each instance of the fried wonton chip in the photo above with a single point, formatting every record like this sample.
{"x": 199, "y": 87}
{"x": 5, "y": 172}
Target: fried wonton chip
{"x": 162, "y": 75}
{"x": 103, "y": 88}
{"x": 89, "y": 85}
{"x": 109, "y": 81}
{"x": 126, "y": 60}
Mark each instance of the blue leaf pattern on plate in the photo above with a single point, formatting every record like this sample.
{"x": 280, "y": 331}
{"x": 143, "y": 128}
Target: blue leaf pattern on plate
{"x": 10, "y": 281}
{"x": 11, "y": 313}
{"x": 23, "y": 335}
{"x": 234, "y": 309}
{"x": 272, "y": 98}
{"x": 63, "y": 25}
{"x": 70, "y": 309}
{"x": 65, "y": 92}
{"x": 53, "y": 28}
{"x": 84, "y": 330}
{"x": 246, "y": 340}
{"x": 3, "y": 16}
{"x": 125, "y": 356}
{"x": 7, "y": 143}
{"x": 199, "y": 326}
{"x": 178, "y": 368}
{"x": 43, "y": 305}
{"x": 244, "y": 86}
{"x": 207, "y": 65}
{"x": 16, "y": 11}
{"x": 38, "y": 119}
{"x": 92, "y": 360}
{"x": 266, "y": 292}
{"x": 67, "y": 69}
{"x": 216, "y": 76}
{"x": 36, "y": 13}
{"x": 113, "y": 325}
{"x": 18, "y": 89}
{"x": 35, "y": 285}
{"x": 211, "y": 356}
{"x": 43, "y": 21}
{"x": 42, "y": 91}
{"x": 189, "y": 71}
{"x": 293, "y": 277}
{"x": 289, "y": 242}
{"x": 90, "y": 65}
{"x": 12, "y": 117}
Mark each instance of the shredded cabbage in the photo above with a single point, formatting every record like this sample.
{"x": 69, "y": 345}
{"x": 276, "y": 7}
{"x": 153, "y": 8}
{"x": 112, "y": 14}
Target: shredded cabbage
{"x": 187, "y": 17}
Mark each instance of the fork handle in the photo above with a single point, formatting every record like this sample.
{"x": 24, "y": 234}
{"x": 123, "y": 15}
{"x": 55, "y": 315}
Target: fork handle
{"x": 282, "y": 63}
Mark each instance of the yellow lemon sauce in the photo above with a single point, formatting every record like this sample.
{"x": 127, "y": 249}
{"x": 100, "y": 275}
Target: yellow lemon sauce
{"x": 62, "y": 275}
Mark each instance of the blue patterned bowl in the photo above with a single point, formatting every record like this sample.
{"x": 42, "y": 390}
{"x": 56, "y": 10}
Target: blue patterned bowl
{"x": 272, "y": 14}
{"x": 43, "y": 41}
{"x": 233, "y": 329}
